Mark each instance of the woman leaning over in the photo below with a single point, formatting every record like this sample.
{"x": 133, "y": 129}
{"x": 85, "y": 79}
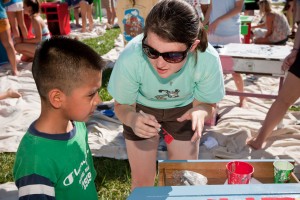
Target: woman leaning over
{"x": 167, "y": 78}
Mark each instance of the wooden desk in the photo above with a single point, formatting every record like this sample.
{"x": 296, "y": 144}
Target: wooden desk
{"x": 254, "y": 59}
{"x": 215, "y": 171}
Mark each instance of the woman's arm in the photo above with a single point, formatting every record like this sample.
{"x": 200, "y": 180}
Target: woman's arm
{"x": 236, "y": 10}
{"x": 260, "y": 25}
{"x": 37, "y": 26}
{"x": 269, "y": 24}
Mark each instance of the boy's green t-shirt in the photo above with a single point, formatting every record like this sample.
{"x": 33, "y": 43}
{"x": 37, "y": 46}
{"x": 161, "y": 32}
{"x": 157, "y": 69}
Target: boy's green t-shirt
{"x": 55, "y": 166}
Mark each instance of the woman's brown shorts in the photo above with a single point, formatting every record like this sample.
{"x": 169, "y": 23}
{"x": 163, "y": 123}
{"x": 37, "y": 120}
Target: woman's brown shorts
{"x": 168, "y": 120}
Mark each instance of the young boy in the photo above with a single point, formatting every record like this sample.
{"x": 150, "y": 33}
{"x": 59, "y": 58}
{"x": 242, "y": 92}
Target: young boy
{"x": 54, "y": 160}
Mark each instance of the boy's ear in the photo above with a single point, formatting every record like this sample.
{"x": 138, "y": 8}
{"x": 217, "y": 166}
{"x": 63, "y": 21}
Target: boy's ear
{"x": 56, "y": 97}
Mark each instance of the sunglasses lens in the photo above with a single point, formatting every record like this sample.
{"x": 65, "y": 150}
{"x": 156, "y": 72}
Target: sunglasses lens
{"x": 174, "y": 57}
{"x": 150, "y": 52}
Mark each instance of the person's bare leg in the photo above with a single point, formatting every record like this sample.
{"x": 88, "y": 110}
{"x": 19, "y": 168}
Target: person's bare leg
{"x": 142, "y": 159}
{"x": 109, "y": 16}
{"x": 204, "y": 8}
{"x": 288, "y": 94}
{"x": 76, "y": 16}
{"x": 7, "y": 42}
{"x": 21, "y": 23}
{"x": 239, "y": 83}
{"x": 90, "y": 16}
{"x": 12, "y": 18}
{"x": 83, "y": 10}
{"x": 113, "y": 13}
{"x": 187, "y": 151}
{"x": 262, "y": 41}
{"x": 26, "y": 49}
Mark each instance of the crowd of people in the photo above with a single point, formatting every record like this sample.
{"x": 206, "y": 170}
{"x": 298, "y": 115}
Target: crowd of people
{"x": 173, "y": 85}
{"x": 23, "y": 29}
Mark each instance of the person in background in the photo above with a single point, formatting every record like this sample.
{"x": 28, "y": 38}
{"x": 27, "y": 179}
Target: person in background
{"x": 167, "y": 78}
{"x": 197, "y": 6}
{"x": 224, "y": 27}
{"x": 288, "y": 94}
{"x": 10, "y": 93}
{"x": 251, "y": 7}
{"x": 76, "y": 16}
{"x": 14, "y": 10}
{"x": 86, "y": 7}
{"x": 109, "y": 6}
{"x": 274, "y": 28}
{"x": 288, "y": 11}
{"x": 5, "y": 39}
{"x": 27, "y": 47}
{"x": 54, "y": 159}
{"x": 204, "y": 6}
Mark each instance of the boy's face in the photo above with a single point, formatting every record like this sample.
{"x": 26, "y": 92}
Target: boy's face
{"x": 83, "y": 100}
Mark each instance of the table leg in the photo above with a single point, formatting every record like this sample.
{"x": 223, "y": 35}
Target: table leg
{"x": 248, "y": 36}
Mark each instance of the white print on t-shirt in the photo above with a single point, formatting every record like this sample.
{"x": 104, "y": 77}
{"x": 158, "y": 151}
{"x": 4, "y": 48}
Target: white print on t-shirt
{"x": 84, "y": 171}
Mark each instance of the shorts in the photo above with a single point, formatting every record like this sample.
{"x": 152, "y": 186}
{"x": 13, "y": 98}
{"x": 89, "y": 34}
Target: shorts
{"x": 108, "y": 4}
{"x": 90, "y": 1}
{"x": 4, "y": 25}
{"x": 168, "y": 120}
{"x": 14, "y": 7}
{"x": 222, "y": 40}
{"x": 295, "y": 68}
{"x": 204, "y": 1}
{"x": 252, "y": 6}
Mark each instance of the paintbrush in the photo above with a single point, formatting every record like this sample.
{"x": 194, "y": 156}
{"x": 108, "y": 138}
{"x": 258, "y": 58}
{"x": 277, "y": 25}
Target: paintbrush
{"x": 168, "y": 138}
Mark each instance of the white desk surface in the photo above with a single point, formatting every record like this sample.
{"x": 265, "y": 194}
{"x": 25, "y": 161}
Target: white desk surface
{"x": 230, "y": 192}
{"x": 255, "y": 51}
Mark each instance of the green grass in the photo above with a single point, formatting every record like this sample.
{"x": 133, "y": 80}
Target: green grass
{"x": 113, "y": 176}
{"x": 294, "y": 108}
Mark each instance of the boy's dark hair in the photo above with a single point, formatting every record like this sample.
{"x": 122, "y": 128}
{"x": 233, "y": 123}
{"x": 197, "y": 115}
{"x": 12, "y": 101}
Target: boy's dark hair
{"x": 34, "y": 4}
{"x": 176, "y": 21}
{"x": 63, "y": 63}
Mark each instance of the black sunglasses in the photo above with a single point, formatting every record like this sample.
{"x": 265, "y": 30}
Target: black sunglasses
{"x": 170, "y": 57}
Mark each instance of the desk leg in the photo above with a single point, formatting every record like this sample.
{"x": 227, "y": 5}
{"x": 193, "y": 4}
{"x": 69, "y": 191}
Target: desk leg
{"x": 266, "y": 96}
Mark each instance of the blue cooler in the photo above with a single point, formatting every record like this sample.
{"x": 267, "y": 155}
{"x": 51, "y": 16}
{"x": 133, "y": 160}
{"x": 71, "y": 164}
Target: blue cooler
{"x": 3, "y": 55}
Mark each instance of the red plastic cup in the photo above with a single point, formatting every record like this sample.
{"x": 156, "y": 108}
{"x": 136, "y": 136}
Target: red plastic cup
{"x": 239, "y": 172}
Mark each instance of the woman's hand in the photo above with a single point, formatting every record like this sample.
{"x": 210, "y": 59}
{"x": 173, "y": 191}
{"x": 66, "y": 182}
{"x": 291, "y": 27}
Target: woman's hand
{"x": 197, "y": 115}
{"x": 145, "y": 125}
{"x": 289, "y": 60}
{"x": 213, "y": 26}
